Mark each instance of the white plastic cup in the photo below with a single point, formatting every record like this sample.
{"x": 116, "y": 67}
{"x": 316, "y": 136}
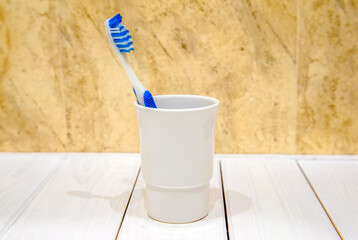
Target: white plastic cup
{"x": 177, "y": 152}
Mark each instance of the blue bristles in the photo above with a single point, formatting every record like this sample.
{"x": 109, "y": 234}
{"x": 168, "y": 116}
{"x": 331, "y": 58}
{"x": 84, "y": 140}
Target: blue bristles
{"x": 120, "y": 34}
{"x": 114, "y": 21}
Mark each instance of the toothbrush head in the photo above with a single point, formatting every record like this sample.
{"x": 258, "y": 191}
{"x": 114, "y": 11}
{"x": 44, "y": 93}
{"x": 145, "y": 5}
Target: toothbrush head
{"x": 120, "y": 34}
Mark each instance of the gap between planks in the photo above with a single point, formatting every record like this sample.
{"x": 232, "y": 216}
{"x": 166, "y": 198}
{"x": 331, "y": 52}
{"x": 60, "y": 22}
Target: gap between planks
{"x": 35, "y": 192}
{"x": 319, "y": 200}
{"x": 32, "y": 195}
{"x": 74, "y": 175}
{"x": 129, "y": 200}
{"x": 275, "y": 187}
{"x": 224, "y": 200}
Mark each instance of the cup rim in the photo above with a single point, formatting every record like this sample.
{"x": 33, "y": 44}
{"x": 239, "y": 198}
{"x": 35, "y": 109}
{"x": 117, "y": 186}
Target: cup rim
{"x": 215, "y": 103}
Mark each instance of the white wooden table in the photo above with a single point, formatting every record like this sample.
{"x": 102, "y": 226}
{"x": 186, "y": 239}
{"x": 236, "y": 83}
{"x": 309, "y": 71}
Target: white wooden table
{"x": 101, "y": 196}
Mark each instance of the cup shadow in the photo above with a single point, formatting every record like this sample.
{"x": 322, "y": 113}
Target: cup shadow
{"x": 236, "y": 202}
{"x": 239, "y": 202}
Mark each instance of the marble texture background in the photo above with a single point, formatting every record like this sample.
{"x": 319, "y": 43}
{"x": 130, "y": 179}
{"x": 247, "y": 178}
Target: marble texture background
{"x": 285, "y": 71}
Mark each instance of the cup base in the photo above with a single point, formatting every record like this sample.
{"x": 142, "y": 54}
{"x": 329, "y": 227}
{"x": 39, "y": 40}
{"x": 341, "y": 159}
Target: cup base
{"x": 178, "y": 223}
{"x": 177, "y": 205}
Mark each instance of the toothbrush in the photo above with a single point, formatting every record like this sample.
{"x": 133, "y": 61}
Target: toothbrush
{"x": 121, "y": 41}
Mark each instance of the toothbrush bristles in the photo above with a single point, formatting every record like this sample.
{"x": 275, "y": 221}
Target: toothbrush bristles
{"x": 113, "y": 22}
{"x": 120, "y": 34}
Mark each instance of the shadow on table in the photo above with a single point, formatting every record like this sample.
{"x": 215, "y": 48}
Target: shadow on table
{"x": 236, "y": 202}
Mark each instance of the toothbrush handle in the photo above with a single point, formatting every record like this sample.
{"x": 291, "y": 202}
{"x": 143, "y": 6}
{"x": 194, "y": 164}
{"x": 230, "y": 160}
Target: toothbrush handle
{"x": 130, "y": 73}
{"x": 137, "y": 86}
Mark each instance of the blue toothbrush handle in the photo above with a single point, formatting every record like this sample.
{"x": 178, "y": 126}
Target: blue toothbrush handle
{"x": 148, "y": 100}
{"x": 135, "y": 95}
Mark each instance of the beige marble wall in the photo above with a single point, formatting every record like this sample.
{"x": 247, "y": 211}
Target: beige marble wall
{"x": 32, "y": 114}
{"x": 286, "y": 72}
{"x": 328, "y": 77}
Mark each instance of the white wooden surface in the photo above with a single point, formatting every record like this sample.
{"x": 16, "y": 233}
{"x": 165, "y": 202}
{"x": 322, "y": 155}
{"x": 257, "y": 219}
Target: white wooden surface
{"x": 336, "y": 184}
{"x": 21, "y": 177}
{"x": 84, "y": 196}
{"x": 84, "y": 199}
{"x": 137, "y": 224}
{"x": 270, "y": 199}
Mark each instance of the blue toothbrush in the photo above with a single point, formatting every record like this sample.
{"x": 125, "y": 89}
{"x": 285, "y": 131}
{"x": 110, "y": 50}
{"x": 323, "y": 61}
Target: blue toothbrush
{"x": 121, "y": 41}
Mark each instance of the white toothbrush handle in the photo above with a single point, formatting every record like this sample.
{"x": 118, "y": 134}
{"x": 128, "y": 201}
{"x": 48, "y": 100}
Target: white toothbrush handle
{"x": 136, "y": 84}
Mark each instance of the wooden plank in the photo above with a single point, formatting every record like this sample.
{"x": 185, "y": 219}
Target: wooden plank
{"x": 137, "y": 224}
{"x": 336, "y": 185}
{"x": 270, "y": 199}
{"x": 21, "y": 177}
{"x": 84, "y": 199}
